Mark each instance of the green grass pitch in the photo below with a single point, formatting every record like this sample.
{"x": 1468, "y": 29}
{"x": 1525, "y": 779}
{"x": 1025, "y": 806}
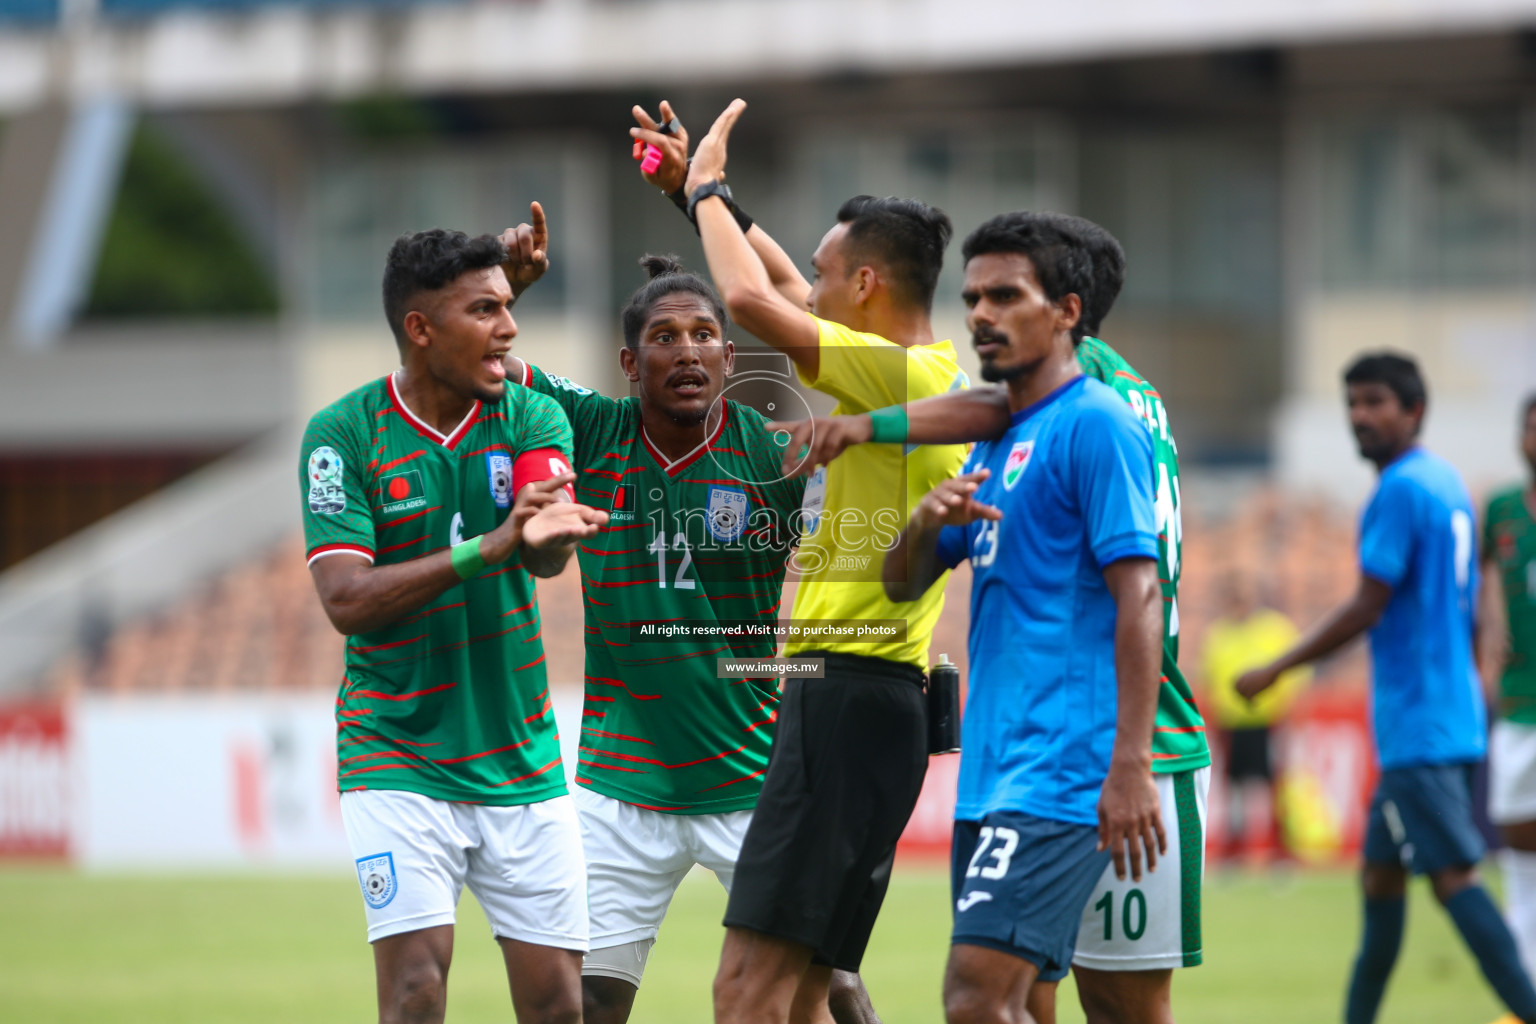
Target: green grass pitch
{"x": 244, "y": 948}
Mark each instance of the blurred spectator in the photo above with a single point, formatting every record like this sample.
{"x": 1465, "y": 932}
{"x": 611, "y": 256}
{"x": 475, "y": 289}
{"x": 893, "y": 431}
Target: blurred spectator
{"x": 1245, "y": 635}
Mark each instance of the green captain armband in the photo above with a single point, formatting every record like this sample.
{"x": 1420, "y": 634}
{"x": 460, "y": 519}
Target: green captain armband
{"x": 466, "y": 559}
{"x": 889, "y": 425}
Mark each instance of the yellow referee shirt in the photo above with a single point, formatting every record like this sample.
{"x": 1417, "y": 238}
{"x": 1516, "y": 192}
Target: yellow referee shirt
{"x": 866, "y": 495}
{"x": 1233, "y": 647}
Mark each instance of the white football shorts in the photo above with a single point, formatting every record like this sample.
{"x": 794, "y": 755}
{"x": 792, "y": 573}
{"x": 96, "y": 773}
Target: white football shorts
{"x": 636, "y": 859}
{"x": 523, "y": 863}
{"x": 1511, "y": 773}
{"x": 1153, "y": 924}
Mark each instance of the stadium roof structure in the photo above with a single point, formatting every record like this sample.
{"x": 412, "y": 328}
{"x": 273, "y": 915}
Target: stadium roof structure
{"x": 198, "y": 53}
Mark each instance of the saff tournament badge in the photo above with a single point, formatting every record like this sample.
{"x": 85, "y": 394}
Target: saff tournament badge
{"x": 1018, "y": 461}
{"x": 727, "y": 513}
{"x": 327, "y": 494}
{"x": 376, "y": 874}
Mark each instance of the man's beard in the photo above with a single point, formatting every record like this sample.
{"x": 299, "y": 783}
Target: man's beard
{"x": 995, "y": 374}
{"x": 690, "y": 419}
{"x": 490, "y": 395}
{"x": 990, "y": 371}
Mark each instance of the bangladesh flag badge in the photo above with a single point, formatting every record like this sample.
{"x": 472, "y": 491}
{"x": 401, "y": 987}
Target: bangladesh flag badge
{"x": 1018, "y": 461}
{"x": 403, "y": 491}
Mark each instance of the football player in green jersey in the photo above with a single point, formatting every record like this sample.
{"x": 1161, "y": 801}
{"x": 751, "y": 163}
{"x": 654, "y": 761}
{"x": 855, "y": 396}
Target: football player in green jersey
{"x": 429, "y": 497}
{"x": 1509, "y": 555}
{"x": 687, "y": 572}
{"x": 1127, "y": 944}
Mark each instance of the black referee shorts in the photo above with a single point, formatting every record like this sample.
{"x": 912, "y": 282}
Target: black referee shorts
{"x": 849, "y": 754}
{"x": 1248, "y": 754}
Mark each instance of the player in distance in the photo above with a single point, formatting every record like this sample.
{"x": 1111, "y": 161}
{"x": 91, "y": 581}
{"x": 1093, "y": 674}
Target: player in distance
{"x": 1509, "y": 560}
{"x": 702, "y": 527}
{"x": 851, "y": 749}
{"x": 1133, "y": 933}
{"x": 1056, "y": 518}
{"x": 1417, "y": 598}
{"x": 430, "y": 497}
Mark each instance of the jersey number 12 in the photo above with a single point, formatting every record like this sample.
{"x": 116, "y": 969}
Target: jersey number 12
{"x": 659, "y": 545}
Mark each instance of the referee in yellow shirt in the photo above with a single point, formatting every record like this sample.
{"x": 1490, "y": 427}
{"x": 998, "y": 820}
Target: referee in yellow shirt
{"x": 850, "y": 749}
{"x": 1246, "y": 635}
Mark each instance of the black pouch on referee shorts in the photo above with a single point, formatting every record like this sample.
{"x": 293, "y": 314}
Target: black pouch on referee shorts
{"x": 943, "y": 706}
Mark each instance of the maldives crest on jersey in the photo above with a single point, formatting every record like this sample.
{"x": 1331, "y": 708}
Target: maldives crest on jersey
{"x": 327, "y": 493}
{"x": 727, "y": 513}
{"x": 498, "y": 468}
{"x": 1018, "y": 461}
{"x": 376, "y": 874}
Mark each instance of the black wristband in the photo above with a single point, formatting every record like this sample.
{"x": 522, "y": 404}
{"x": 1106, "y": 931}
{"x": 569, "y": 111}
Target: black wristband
{"x": 742, "y": 220}
{"x": 679, "y": 197}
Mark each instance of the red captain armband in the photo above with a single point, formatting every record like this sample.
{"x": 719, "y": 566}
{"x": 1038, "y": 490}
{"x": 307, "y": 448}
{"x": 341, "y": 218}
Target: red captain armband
{"x": 540, "y": 464}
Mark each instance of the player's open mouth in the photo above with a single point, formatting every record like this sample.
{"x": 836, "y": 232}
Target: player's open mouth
{"x": 688, "y": 387}
{"x": 494, "y": 366}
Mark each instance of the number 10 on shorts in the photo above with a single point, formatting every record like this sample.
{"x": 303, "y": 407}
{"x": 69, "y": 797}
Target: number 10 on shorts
{"x": 1133, "y": 915}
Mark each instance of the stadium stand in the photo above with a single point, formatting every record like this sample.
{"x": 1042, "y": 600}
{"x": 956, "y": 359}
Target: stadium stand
{"x": 259, "y": 627}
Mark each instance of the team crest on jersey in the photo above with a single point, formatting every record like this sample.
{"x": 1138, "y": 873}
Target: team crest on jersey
{"x": 498, "y": 467}
{"x": 402, "y": 491}
{"x": 1018, "y": 461}
{"x": 727, "y": 513}
{"x": 376, "y": 874}
{"x": 327, "y": 493}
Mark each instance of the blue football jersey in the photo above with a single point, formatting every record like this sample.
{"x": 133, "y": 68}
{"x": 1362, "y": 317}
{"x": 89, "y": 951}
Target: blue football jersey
{"x": 1073, "y": 479}
{"x": 1417, "y": 537}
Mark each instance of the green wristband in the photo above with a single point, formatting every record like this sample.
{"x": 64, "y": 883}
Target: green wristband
{"x": 466, "y": 559}
{"x": 889, "y": 425}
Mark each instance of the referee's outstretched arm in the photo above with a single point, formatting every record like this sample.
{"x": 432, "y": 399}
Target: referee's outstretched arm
{"x": 956, "y": 417}
{"x": 743, "y": 281}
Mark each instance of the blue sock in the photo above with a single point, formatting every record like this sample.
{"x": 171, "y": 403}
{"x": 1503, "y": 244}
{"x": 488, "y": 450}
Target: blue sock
{"x": 1489, "y": 938}
{"x": 1382, "y": 938}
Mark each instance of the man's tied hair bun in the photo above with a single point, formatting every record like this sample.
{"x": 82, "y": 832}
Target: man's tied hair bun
{"x": 660, "y": 265}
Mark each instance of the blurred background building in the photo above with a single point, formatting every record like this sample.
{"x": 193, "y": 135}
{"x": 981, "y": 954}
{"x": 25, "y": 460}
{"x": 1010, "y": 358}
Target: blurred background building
{"x": 196, "y": 197}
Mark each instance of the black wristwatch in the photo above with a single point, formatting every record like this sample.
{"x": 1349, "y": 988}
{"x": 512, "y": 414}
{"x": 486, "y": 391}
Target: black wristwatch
{"x": 704, "y": 191}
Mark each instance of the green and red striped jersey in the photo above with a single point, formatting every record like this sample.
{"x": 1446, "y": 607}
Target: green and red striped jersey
{"x": 1179, "y": 743}
{"x": 1509, "y": 539}
{"x": 696, "y": 543}
{"x": 450, "y": 701}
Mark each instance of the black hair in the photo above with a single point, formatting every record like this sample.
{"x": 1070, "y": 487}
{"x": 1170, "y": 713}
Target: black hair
{"x": 1057, "y": 250}
{"x": 1397, "y": 371}
{"x": 428, "y": 261}
{"x": 905, "y": 237}
{"x": 1108, "y": 268}
{"x": 667, "y": 278}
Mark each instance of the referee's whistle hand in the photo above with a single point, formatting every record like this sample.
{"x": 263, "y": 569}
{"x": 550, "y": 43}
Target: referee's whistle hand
{"x": 673, "y": 170}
